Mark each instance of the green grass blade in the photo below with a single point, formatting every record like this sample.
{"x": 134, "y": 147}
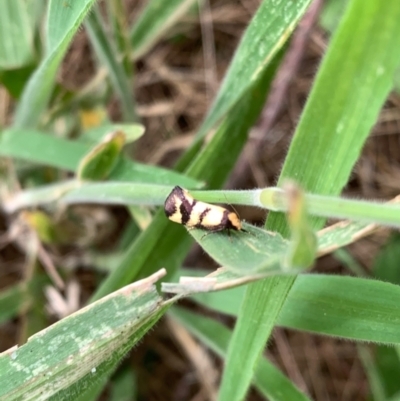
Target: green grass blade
{"x": 118, "y": 16}
{"x": 269, "y": 381}
{"x": 227, "y": 302}
{"x": 266, "y": 306}
{"x": 387, "y": 359}
{"x": 243, "y": 252}
{"x": 269, "y": 29}
{"x": 156, "y": 18}
{"x": 16, "y": 35}
{"x": 19, "y": 298}
{"x": 63, "y": 21}
{"x": 276, "y": 199}
{"x": 387, "y": 364}
{"x": 110, "y": 58}
{"x": 74, "y": 191}
{"x": 61, "y": 361}
{"x": 332, "y": 13}
{"x": 118, "y": 193}
{"x": 40, "y": 148}
{"x": 124, "y": 386}
{"x": 347, "y": 307}
{"x": 263, "y": 39}
{"x": 370, "y": 369}
{"x": 343, "y": 106}
{"x": 386, "y": 264}
{"x": 98, "y": 163}
{"x": 340, "y": 208}
{"x": 36, "y": 11}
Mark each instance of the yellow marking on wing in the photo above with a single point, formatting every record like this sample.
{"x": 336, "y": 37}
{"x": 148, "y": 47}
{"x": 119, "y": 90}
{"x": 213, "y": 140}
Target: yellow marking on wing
{"x": 213, "y": 217}
{"x": 177, "y": 216}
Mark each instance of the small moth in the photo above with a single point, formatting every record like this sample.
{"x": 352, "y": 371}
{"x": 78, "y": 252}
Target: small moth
{"x": 181, "y": 208}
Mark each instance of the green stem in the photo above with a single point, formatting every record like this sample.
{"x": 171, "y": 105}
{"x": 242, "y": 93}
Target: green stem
{"x": 318, "y": 205}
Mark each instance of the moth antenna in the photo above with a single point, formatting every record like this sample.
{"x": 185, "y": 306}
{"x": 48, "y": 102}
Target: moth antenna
{"x": 233, "y": 207}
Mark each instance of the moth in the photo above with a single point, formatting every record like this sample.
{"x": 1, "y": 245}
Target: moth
{"x": 182, "y": 208}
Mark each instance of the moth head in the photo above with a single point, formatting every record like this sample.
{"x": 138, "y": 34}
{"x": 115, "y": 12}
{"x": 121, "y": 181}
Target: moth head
{"x": 234, "y": 221}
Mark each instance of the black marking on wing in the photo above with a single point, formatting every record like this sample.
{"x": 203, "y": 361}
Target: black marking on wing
{"x": 185, "y": 208}
{"x": 201, "y": 218}
{"x": 170, "y": 205}
{"x": 204, "y": 214}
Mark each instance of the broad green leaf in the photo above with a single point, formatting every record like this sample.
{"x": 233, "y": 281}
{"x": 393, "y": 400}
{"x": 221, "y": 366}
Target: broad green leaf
{"x": 347, "y": 307}
{"x": 155, "y": 19}
{"x": 108, "y": 56}
{"x": 243, "y": 252}
{"x": 64, "y": 360}
{"x": 63, "y": 21}
{"x": 351, "y": 86}
{"x": 268, "y": 380}
{"x": 40, "y": 148}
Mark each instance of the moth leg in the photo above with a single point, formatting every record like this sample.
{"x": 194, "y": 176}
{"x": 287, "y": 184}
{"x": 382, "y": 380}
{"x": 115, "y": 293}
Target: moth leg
{"x": 207, "y": 233}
